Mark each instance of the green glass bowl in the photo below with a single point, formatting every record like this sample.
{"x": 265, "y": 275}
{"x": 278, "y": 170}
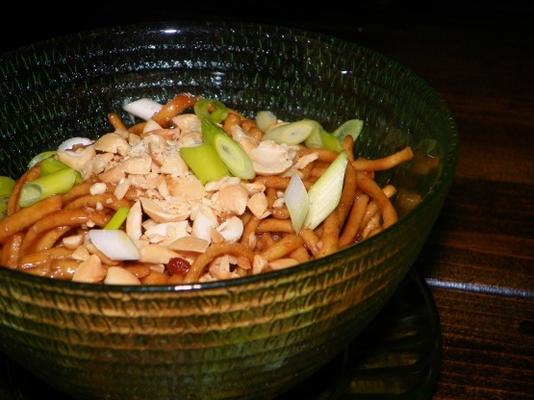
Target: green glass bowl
{"x": 246, "y": 338}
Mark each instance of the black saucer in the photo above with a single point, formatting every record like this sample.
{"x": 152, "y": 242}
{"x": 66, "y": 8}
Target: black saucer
{"x": 396, "y": 358}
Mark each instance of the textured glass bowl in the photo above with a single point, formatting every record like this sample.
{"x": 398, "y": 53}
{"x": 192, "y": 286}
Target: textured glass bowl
{"x": 247, "y": 338}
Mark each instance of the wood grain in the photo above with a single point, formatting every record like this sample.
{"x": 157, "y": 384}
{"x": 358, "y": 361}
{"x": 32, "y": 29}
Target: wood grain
{"x": 480, "y": 239}
{"x": 488, "y": 346}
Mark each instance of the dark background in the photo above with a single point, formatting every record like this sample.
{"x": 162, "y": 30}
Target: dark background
{"x": 371, "y": 23}
{"x": 459, "y": 47}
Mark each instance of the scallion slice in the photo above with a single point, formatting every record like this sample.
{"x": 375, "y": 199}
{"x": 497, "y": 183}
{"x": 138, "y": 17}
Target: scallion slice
{"x": 293, "y": 133}
{"x": 297, "y": 201}
{"x": 212, "y": 110}
{"x": 40, "y": 157}
{"x": 115, "y": 244}
{"x": 6, "y": 186}
{"x": 326, "y": 192}
{"x": 118, "y": 219}
{"x": 45, "y": 186}
{"x": 352, "y": 127}
{"x": 264, "y": 119}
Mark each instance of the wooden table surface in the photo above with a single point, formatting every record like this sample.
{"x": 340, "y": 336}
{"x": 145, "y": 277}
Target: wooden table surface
{"x": 479, "y": 259}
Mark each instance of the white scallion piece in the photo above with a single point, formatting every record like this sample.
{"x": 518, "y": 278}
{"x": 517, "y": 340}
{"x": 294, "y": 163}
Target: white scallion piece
{"x": 142, "y": 108}
{"x": 293, "y": 133}
{"x": 74, "y": 141}
{"x": 351, "y": 127}
{"x": 297, "y": 201}
{"x": 264, "y": 119}
{"x": 115, "y": 244}
{"x": 326, "y": 192}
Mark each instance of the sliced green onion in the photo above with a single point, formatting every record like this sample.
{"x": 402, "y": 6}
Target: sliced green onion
{"x": 51, "y": 165}
{"x": 234, "y": 157}
{"x": 297, "y": 201}
{"x": 45, "y": 186}
{"x": 209, "y": 131}
{"x": 118, "y": 219}
{"x": 212, "y": 110}
{"x": 231, "y": 154}
{"x": 205, "y": 163}
{"x": 40, "y": 157}
{"x": 326, "y": 192}
{"x": 293, "y": 133}
{"x": 314, "y": 139}
{"x": 3, "y": 207}
{"x": 264, "y": 119}
{"x": 6, "y": 186}
{"x": 114, "y": 243}
{"x": 352, "y": 127}
{"x": 330, "y": 142}
{"x": 78, "y": 179}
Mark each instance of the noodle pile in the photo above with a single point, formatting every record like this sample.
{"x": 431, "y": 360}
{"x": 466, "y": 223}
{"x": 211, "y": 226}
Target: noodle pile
{"x": 186, "y": 231}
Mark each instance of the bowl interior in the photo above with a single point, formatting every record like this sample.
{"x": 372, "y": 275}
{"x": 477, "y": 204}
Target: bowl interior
{"x": 66, "y": 86}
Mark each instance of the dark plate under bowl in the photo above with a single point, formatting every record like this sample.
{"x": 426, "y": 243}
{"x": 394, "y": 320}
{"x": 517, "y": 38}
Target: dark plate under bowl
{"x": 247, "y": 338}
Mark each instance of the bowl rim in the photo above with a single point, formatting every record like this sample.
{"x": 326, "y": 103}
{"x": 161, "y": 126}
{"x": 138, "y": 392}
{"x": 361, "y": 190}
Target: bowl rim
{"x": 164, "y": 27}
